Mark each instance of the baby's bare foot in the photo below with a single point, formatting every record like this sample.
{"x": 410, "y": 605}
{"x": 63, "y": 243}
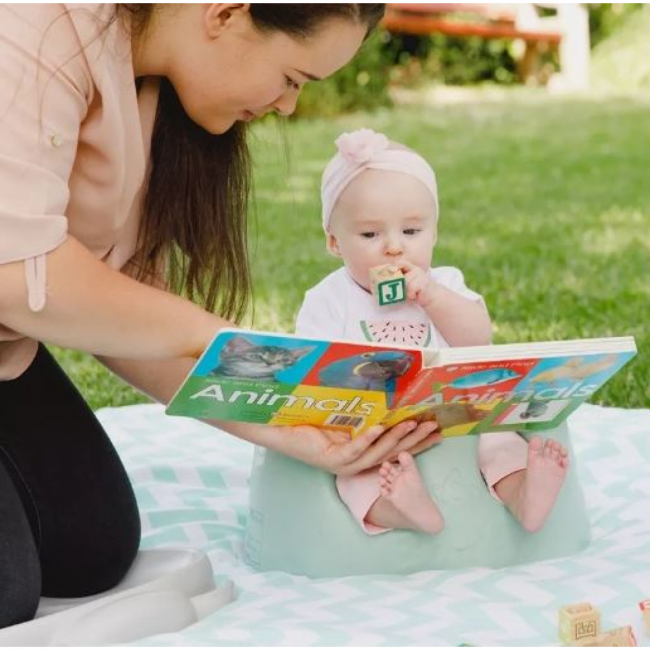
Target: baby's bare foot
{"x": 401, "y": 485}
{"x": 546, "y": 470}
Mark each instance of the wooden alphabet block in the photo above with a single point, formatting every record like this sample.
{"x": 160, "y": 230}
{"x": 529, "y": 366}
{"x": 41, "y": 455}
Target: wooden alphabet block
{"x": 388, "y": 284}
{"x": 644, "y": 606}
{"x": 579, "y": 623}
{"x": 621, "y": 637}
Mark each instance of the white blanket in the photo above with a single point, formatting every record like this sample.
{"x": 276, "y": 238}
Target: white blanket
{"x": 192, "y": 485}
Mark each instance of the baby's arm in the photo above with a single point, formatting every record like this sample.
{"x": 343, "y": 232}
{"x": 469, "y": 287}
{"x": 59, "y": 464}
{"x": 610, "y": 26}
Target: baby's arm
{"x": 462, "y": 321}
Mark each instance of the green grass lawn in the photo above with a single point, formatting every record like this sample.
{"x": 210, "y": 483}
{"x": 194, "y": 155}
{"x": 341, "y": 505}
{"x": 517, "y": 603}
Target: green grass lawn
{"x": 544, "y": 206}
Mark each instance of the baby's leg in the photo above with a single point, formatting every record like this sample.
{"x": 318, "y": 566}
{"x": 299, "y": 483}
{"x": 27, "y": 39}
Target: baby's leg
{"x": 404, "y": 501}
{"x": 527, "y": 478}
{"x": 392, "y": 496}
{"x": 359, "y": 492}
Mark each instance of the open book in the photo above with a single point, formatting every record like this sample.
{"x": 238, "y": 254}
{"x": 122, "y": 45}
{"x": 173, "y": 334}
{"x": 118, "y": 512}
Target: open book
{"x": 282, "y": 379}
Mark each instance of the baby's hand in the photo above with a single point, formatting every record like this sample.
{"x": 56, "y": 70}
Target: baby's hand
{"x": 420, "y": 286}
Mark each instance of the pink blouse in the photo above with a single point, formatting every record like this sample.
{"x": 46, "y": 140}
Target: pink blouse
{"x": 74, "y": 145}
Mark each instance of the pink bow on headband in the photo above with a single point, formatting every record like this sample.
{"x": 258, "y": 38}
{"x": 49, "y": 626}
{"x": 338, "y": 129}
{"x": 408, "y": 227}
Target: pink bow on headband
{"x": 360, "y": 146}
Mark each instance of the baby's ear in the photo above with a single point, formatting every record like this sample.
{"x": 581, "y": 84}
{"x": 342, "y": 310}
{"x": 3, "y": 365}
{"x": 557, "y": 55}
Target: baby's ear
{"x": 332, "y": 245}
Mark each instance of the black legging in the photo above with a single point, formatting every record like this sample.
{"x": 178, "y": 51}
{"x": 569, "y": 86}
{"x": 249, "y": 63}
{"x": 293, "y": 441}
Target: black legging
{"x": 69, "y": 523}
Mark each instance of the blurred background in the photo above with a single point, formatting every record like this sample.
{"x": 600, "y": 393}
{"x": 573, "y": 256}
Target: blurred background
{"x": 536, "y": 119}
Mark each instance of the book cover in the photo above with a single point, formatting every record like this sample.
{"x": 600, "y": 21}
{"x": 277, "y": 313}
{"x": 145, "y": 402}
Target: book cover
{"x": 282, "y": 379}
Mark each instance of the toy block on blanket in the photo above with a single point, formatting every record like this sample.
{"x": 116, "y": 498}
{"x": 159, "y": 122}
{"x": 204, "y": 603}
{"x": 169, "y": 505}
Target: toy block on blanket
{"x": 621, "y": 637}
{"x": 388, "y": 284}
{"x": 579, "y": 622}
{"x": 644, "y": 606}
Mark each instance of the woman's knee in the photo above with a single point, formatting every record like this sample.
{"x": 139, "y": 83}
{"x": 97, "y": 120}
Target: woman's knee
{"x": 20, "y": 585}
{"x": 96, "y": 560}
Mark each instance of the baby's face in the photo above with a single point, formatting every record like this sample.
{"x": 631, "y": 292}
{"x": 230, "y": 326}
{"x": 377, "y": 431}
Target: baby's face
{"x": 382, "y": 217}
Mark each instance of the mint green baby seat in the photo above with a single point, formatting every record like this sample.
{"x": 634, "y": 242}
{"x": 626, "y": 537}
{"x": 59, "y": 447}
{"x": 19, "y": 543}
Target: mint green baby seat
{"x": 298, "y": 524}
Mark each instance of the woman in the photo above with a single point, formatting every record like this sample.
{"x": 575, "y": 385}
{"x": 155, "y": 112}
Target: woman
{"x": 124, "y": 178}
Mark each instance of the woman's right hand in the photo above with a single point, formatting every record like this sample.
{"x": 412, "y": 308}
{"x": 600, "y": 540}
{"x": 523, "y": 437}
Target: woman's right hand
{"x": 336, "y": 453}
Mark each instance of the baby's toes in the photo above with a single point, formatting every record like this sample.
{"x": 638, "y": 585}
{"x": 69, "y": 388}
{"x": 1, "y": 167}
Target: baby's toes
{"x": 384, "y": 470}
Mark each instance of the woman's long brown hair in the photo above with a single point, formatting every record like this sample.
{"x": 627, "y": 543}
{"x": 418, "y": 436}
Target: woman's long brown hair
{"x": 196, "y": 199}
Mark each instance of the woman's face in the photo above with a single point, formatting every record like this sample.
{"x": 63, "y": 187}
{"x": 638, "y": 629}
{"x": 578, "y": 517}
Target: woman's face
{"x": 225, "y": 70}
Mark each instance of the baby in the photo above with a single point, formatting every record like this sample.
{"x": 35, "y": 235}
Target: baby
{"x": 380, "y": 206}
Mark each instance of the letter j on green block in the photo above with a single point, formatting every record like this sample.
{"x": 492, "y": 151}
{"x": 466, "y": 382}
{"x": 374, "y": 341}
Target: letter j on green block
{"x": 391, "y": 291}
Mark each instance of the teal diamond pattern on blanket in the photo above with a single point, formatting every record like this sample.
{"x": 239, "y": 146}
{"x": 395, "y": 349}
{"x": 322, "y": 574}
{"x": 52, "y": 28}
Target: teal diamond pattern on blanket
{"x": 192, "y": 485}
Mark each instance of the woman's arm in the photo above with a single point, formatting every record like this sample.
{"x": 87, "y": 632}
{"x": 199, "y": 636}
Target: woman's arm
{"x": 327, "y": 450}
{"x": 93, "y": 308}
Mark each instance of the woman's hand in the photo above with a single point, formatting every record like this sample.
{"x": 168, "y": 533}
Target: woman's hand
{"x": 335, "y": 452}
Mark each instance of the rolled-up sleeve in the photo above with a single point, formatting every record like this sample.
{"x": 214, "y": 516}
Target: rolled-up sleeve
{"x": 45, "y": 90}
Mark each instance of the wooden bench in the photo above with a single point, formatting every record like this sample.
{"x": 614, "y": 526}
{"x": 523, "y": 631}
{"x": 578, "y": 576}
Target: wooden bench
{"x": 568, "y": 31}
